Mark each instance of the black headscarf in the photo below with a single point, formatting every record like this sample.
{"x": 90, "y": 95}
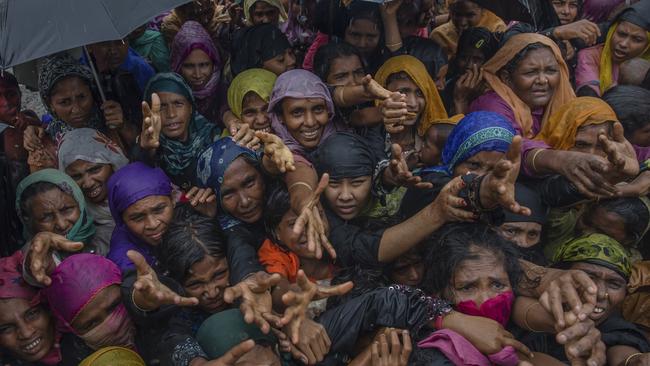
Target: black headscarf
{"x": 345, "y": 155}
{"x": 638, "y": 14}
{"x": 531, "y": 199}
{"x": 254, "y": 45}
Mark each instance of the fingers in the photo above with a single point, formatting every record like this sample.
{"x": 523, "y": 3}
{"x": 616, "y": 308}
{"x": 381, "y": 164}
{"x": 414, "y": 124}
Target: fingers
{"x": 146, "y": 110}
{"x": 186, "y": 301}
{"x": 338, "y": 290}
{"x": 508, "y": 341}
{"x": 233, "y": 293}
{"x": 322, "y": 184}
{"x": 237, "y": 352}
{"x": 155, "y": 103}
{"x": 140, "y": 263}
{"x": 300, "y": 224}
{"x": 407, "y": 348}
{"x": 514, "y": 151}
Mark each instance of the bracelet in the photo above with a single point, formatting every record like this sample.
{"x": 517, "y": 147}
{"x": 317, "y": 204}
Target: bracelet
{"x": 136, "y": 304}
{"x": 630, "y": 357}
{"x": 342, "y": 99}
{"x": 526, "y": 318}
{"x": 300, "y": 184}
{"x": 394, "y": 44}
{"x": 532, "y": 163}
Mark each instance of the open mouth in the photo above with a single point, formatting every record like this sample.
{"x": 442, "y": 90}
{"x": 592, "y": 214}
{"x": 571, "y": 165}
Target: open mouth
{"x": 620, "y": 54}
{"x": 311, "y": 135}
{"x": 264, "y": 128}
{"x": 94, "y": 192}
{"x": 33, "y": 346}
{"x": 173, "y": 126}
{"x": 347, "y": 210}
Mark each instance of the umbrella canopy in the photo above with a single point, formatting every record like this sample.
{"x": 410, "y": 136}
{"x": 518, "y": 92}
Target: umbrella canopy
{"x": 30, "y": 29}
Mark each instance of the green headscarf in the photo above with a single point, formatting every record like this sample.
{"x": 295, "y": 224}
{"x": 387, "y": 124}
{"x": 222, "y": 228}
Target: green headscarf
{"x": 597, "y": 249}
{"x": 259, "y": 81}
{"x": 83, "y": 230}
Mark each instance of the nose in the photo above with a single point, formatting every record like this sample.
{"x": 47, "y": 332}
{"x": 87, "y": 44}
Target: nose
{"x": 211, "y": 292}
{"x": 564, "y": 9}
{"x": 244, "y": 201}
{"x": 411, "y": 101}
{"x": 60, "y": 224}
{"x": 290, "y": 60}
{"x": 151, "y": 222}
{"x": 483, "y": 297}
{"x": 520, "y": 240}
{"x": 413, "y": 275}
{"x": 346, "y": 193}
{"x": 310, "y": 119}
{"x": 171, "y": 112}
{"x": 25, "y": 330}
{"x": 86, "y": 182}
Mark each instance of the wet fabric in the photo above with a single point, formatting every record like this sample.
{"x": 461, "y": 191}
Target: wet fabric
{"x": 598, "y": 249}
{"x": 461, "y": 352}
{"x": 112, "y": 356}
{"x": 256, "y": 44}
{"x": 152, "y": 46}
{"x": 89, "y": 145}
{"x": 476, "y": 132}
{"x": 523, "y": 115}
{"x": 177, "y": 155}
{"x": 248, "y": 4}
{"x": 561, "y": 129}
{"x": 528, "y": 198}
{"x": 636, "y": 306}
{"x": 211, "y": 169}
{"x": 83, "y": 229}
{"x": 345, "y": 155}
{"x": 497, "y": 308}
{"x": 276, "y": 259}
{"x": 434, "y": 108}
{"x": 258, "y": 81}
{"x": 606, "y": 74}
{"x": 126, "y": 187}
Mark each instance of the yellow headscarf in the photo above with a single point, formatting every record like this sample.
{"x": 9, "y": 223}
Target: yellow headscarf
{"x": 560, "y": 130}
{"x": 259, "y": 81}
{"x": 113, "y": 356}
{"x": 434, "y": 110}
{"x": 563, "y": 93}
{"x": 605, "y": 72}
{"x": 275, "y": 3}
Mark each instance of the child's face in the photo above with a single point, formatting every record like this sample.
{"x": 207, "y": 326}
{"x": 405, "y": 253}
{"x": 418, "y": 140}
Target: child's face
{"x": 434, "y": 142}
{"x": 284, "y": 232}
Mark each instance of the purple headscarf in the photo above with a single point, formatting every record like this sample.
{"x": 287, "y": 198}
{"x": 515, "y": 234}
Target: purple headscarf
{"x": 300, "y": 84}
{"x": 75, "y": 282}
{"x": 127, "y": 186}
{"x": 190, "y": 37}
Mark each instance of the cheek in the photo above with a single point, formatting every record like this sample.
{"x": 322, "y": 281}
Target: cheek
{"x": 73, "y": 216}
{"x": 135, "y": 226}
{"x": 616, "y": 297}
{"x": 230, "y": 203}
{"x": 331, "y": 195}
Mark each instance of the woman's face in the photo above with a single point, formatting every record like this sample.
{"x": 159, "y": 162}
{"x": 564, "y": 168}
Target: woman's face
{"x": 97, "y": 310}
{"x": 535, "y": 78}
{"x": 26, "y": 332}
{"x": 415, "y": 99}
{"x": 284, "y": 232}
{"x": 364, "y": 35}
{"x": 407, "y": 269}
{"x": 629, "y": 41}
{"x": 9, "y": 101}
{"x": 524, "y": 234}
{"x": 254, "y": 112}
{"x": 641, "y": 137}
{"x": 479, "y": 279}
{"x": 91, "y": 178}
{"x": 566, "y": 10}
{"x": 283, "y": 62}
{"x": 612, "y": 288}
{"x": 469, "y": 58}
{"x": 206, "y": 281}
{"x": 72, "y": 101}
{"x": 149, "y": 218}
{"x": 175, "y": 114}
{"x": 465, "y": 14}
{"x": 587, "y": 139}
{"x": 264, "y": 13}
{"x": 54, "y": 211}
{"x": 347, "y": 197}
{"x": 305, "y": 119}
{"x": 242, "y": 191}
{"x": 197, "y": 69}
{"x": 479, "y": 164}
{"x": 345, "y": 70}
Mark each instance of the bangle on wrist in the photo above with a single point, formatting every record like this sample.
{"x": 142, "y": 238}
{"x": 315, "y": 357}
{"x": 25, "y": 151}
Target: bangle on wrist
{"x": 526, "y": 318}
{"x": 630, "y": 357}
{"x": 135, "y": 303}
{"x": 300, "y": 184}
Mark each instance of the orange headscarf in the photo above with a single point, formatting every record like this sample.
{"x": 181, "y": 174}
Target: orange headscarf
{"x": 563, "y": 92}
{"x": 434, "y": 110}
{"x": 561, "y": 129}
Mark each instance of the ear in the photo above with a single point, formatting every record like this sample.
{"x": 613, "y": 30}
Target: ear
{"x": 505, "y": 77}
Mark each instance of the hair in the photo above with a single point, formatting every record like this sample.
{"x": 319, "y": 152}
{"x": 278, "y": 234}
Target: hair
{"x": 478, "y": 38}
{"x": 448, "y": 248}
{"x": 277, "y": 205}
{"x": 409, "y": 12}
{"x": 326, "y": 55}
{"x": 32, "y": 191}
{"x": 633, "y": 211}
{"x": 190, "y": 238}
{"x": 631, "y": 105}
{"x": 512, "y": 65}
{"x": 8, "y": 78}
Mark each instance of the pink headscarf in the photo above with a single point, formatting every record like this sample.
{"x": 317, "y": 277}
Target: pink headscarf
{"x": 461, "y": 352}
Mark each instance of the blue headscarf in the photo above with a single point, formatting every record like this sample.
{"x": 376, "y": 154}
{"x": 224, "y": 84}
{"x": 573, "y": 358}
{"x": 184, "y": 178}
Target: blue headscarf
{"x": 478, "y": 131}
{"x": 212, "y": 166}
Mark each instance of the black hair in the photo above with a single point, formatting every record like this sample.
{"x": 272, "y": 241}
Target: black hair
{"x": 512, "y": 65}
{"x": 330, "y": 52}
{"x": 409, "y": 12}
{"x": 631, "y": 105}
{"x": 277, "y": 205}
{"x": 32, "y": 191}
{"x": 633, "y": 211}
{"x": 9, "y": 78}
{"x": 448, "y": 248}
{"x": 190, "y": 238}
{"x": 478, "y": 38}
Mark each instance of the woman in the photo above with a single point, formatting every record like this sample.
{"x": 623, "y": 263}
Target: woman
{"x": 464, "y": 14}
{"x": 90, "y": 158}
{"x": 262, "y": 46}
{"x": 51, "y": 201}
{"x": 567, "y": 10}
{"x": 627, "y": 38}
{"x": 632, "y": 106}
{"x": 196, "y": 59}
{"x": 264, "y": 12}
{"x": 248, "y": 98}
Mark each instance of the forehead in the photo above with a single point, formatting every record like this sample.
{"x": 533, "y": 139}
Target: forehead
{"x": 207, "y": 266}
{"x": 539, "y": 57}
{"x": 237, "y": 172}
{"x": 401, "y": 81}
{"x": 54, "y": 196}
{"x": 524, "y": 226}
{"x": 197, "y": 55}
{"x": 584, "y": 131}
{"x": 69, "y": 85}
{"x": 146, "y": 204}
{"x": 486, "y": 265}
{"x": 10, "y": 307}
{"x": 293, "y": 103}
{"x": 487, "y": 157}
{"x": 363, "y": 26}
{"x": 631, "y": 28}
{"x": 169, "y": 97}
{"x": 598, "y": 270}
{"x": 252, "y": 99}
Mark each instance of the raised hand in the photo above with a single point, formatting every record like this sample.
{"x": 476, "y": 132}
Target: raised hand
{"x": 573, "y": 288}
{"x": 113, "y": 114}
{"x": 390, "y": 7}
{"x": 148, "y": 292}
{"x": 32, "y": 138}
{"x": 233, "y": 355}
{"x": 314, "y": 343}
{"x": 395, "y": 354}
{"x": 314, "y": 221}
{"x": 588, "y": 173}
{"x": 398, "y": 173}
{"x": 466, "y": 87}
{"x": 256, "y": 301}
{"x": 203, "y": 200}
{"x": 373, "y": 89}
{"x": 245, "y": 136}
{"x": 394, "y": 112}
{"x": 39, "y": 255}
{"x": 582, "y": 342}
{"x": 619, "y": 151}
{"x": 449, "y": 205}
{"x": 583, "y": 29}
{"x": 151, "y": 124}
{"x": 277, "y": 152}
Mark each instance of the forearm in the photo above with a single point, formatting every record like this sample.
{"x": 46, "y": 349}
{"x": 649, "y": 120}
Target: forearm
{"x": 617, "y": 355}
{"x": 391, "y": 32}
{"x": 366, "y": 117}
{"x": 543, "y": 161}
{"x": 529, "y": 314}
{"x": 535, "y": 279}
{"x": 297, "y": 183}
{"x": 348, "y": 96}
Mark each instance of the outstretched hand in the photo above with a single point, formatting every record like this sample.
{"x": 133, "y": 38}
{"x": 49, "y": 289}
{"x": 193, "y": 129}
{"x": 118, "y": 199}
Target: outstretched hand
{"x": 619, "y": 151}
{"x": 245, "y": 136}
{"x": 151, "y": 124}
{"x": 203, "y": 200}
{"x": 373, "y": 89}
{"x": 277, "y": 152}
{"x": 39, "y": 255}
{"x": 398, "y": 173}
{"x": 394, "y": 112}
{"x": 449, "y": 205}
{"x": 314, "y": 221}
{"x": 256, "y": 300}
{"x": 233, "y": 355}
{"x": 573, "y": 288}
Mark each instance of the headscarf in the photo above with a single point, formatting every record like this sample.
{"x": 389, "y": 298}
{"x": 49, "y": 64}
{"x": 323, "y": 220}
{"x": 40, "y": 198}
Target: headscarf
{"x": 345, "y": 155}
{"x": 528, "y": 198}
{"x": 113, "y": 356}
{"x": 127, "y": 186}
{"x": 248, "y": 4}
{"x": 258, "y": 81}
{"x": 75, "y": 282}
{"x": 434, "y": 109}
{"x": 563, "y": 92}
{"x": 476, "y": 132}
{"x": 83, "y": 230}
{"x": 54, "y": 69}
{"x": 560, "y": 130}
{"x": 597, "y": 249}
{"x": 256, "y": 44}
{"x": 299, "y": 84}
{"x": 178, "y": 155}
{"x": 226, "y": 329}
{"x": 190, "y": 37}
{"x": 477, "y": 38}
{"x": 211, "y": 168}
{"x": 637, "y": 14}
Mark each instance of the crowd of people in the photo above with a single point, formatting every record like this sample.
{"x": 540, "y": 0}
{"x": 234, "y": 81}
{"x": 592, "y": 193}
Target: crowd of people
{"x": 266, "y": 182}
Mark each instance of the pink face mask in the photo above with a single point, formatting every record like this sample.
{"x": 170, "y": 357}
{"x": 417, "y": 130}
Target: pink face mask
{"x": 497, "y": 308}
{"x": 116, "y": 330}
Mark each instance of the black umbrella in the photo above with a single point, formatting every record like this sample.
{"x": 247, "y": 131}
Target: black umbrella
{"x": 30, "y": 29}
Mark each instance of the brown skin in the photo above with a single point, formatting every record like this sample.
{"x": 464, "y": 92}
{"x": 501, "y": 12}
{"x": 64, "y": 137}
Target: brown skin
{"x": 259, "y": 356}
{"x": 468, "y": 58}
{"x": 587, "y": 139}
{"x": 264, "y": 13}
{"x": 407, "y": 269}
{"x": 197, "y": 68}
{"x": 415, "y": 100}
{"x": 364, "y": 35}
{"x": 434, "y": 143}
{"x": 629, "y": 41}
{"x": 97, "y": 310}
{"x": 305, "y": 119}
{"x": 346, "y": 70}
{"x": 254, "y": 112}
{"x": 465, "y": 14}
{"x": 349, "y": 196}
{"x": 109, "y": 55}
{"x": 641, "y": 137}
{"x": 611, "y": 289}
{"x": 9, "y": 102}
{"x": 283, "y": 62}
{"x": 479, "y": 164}
{"x": 604, "y": 222}
{"x": 207, "y": 281}
{"x": 149, "y": 218}
{"x": 566, "y": 10}
{"x": 242, "y": 191}
{"x": 53, "y": 211}
{"x": 524, "y": 234}
{"x": 284, "y": 233}
{"x": 72, "y": 101}
{"x": 22, "y": 324}
{"x": 175, "y": 113}
{"x": 91, "y": 178}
